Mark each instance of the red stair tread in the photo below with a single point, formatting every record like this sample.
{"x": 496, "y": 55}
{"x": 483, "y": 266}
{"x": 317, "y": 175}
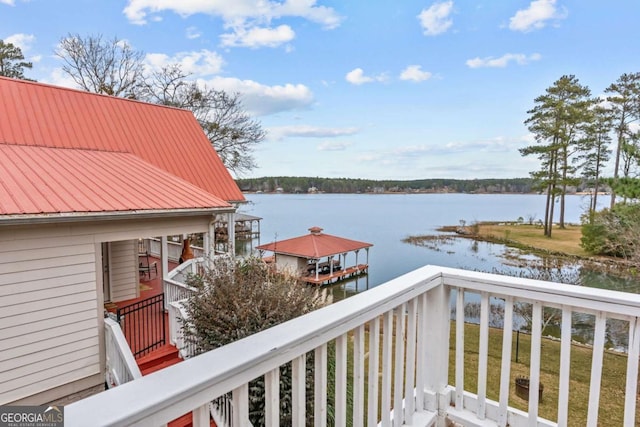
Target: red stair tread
{"x": 153, "y": 368}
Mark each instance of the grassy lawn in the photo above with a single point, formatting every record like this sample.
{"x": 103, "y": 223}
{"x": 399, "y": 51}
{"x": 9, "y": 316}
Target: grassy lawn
{"x": 613, "y": 378}
{"x": 562, "y": 240}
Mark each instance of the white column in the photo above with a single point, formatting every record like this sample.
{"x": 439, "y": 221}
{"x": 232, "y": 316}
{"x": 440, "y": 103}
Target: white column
{"x": 164, "y": 257}
{"x": 231, "y": 232}
{"x": 210, "y": 241}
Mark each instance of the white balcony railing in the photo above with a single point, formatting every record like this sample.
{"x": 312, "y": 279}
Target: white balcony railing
{"x": 394, "y": 339}
{"x": 174, "y": 287}
{"x": 121, "y": 366}
{"x": 177, "y": 318}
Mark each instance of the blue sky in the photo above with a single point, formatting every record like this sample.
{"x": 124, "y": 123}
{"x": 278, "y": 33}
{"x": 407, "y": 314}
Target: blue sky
{"x": 379, "y": 89}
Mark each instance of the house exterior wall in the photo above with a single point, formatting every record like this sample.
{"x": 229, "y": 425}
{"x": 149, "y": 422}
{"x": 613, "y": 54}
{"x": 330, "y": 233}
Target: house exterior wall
{"x": 124, "y": 270}
{"x": 51, "y": 302}
{"x": 48, "y": 311}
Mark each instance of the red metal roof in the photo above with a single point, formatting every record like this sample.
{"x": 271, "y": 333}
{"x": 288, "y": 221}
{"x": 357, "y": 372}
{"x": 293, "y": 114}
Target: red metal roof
{"x": 171, "y": 139}
{"x": 36, "y": 180}
{"x": 316, "y": 244}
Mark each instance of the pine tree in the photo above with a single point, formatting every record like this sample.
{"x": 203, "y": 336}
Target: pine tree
{"x": 12, "y": 63}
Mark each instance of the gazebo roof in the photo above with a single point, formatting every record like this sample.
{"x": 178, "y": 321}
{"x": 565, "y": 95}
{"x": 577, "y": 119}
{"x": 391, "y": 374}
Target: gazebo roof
{"x": 316, "y": 244}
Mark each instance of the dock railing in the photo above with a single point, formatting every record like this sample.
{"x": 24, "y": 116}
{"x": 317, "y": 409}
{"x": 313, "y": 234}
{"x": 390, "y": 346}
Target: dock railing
{"x": 394, "y": 339}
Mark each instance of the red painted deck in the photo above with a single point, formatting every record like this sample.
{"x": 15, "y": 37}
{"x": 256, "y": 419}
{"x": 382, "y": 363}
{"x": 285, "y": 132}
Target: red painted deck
{"x": 336, "y": 275}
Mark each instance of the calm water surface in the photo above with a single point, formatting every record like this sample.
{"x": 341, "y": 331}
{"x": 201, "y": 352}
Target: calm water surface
{"x": 384, "y": 220}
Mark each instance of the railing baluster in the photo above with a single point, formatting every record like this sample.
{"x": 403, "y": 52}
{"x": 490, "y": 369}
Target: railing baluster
{"x": 632, "y": 373}
{"x": 272, "y": 397}
{"x": 460, "y": 349}
{"x": 596, "y": 370}
{"x": 483, "y": 355}
{"x": 320, "y": 387}
{"x": 358, "y": 376}
{"x": 374, "y": 365}
{"x": 241, "y": 406}
{"x": 200, "y": 416}
{"x": 341, "y": 381}
{"x": 421, "y": 351}
{"x": 398, "y": 369}
{"x": 409, "y": 399}
{"x": 505, "y": 375}
{"x": 298, "y": 381}
{"x": 565, "y": 367}
{"x": 387, "y": 331}
{"x": 534, "y": 368}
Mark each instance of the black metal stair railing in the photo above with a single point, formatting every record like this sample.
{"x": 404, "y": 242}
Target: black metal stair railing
{"x": 144, "y": 324}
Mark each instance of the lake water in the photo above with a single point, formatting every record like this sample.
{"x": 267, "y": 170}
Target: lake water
{"x": 385, "y": 220}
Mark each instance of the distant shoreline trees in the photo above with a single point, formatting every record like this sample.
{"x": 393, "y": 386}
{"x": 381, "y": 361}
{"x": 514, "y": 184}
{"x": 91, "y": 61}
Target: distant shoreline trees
{"x": 353, "y": 185}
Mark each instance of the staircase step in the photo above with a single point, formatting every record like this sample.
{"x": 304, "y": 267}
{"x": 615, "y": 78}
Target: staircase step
{"x": 149, "y": 369}
{"x": 158, "y": 356}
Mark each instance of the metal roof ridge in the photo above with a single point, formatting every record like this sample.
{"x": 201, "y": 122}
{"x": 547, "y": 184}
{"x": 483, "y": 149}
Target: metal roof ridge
{"x": 86, "y": 92}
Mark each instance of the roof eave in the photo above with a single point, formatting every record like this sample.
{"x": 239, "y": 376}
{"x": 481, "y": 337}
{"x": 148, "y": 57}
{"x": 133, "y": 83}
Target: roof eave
{"x": 11, "y": 220}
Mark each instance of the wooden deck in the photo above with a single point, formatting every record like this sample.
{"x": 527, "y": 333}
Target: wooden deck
{"x": 324, "y": 279}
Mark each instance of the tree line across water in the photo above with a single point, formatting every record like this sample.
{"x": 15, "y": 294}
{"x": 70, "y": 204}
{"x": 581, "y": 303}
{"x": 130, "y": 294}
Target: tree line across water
{"x": 284, "y": 184}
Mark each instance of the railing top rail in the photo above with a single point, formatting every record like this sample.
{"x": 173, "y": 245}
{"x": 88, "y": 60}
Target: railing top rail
{"x": 622, "y": 303}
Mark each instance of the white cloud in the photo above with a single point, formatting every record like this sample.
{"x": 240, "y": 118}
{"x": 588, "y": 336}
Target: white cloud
{"x": 306, "y": 131}
{"x": 261, "y": 99}
{"x": 503, "y": 61}
{"x": 21, "y": 40}
{"x": 193, "y": 33}
{"x": 235, "y": 12}
{"x": 536, "y": 16}
{"x": 435, "y": 19}
{"x": 258, "y": 37}
{"x": 8, "y": 2}
{"x": 60, "y": 78}
{"x": 200, "y": 63}
{"x": 415, "y": 73}
{"x": 333, "y": 146}
{"x": 357, "y": 77}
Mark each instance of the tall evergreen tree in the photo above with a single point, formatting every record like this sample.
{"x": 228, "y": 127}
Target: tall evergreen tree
{"x": 555, "y": 122}
{"x": 595, "y": 151}
{"x": 625, "y": 104}
{"x": 12, "y": 63}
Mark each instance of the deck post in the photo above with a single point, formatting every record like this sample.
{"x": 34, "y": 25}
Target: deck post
{"x": 437, "y": 350}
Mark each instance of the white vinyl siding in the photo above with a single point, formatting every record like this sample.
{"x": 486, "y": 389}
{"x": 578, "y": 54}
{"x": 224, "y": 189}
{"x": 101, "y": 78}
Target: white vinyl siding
{"x": 50, "y": 308}
{"x": 124, "y": 270}
{"x": 48, "y": 312}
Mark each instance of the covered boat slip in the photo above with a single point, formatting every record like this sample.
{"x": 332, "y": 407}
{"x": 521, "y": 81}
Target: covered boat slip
{"x": 319, "y": 258}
